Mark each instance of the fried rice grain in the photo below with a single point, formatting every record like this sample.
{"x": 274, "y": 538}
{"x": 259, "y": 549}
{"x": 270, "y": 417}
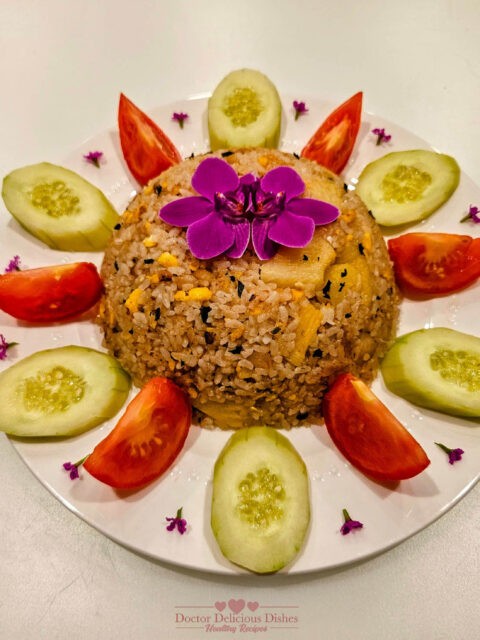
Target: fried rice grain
{"x": 248, "y": 347}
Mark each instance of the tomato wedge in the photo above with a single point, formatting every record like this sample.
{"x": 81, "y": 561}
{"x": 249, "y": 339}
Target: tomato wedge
{"x": 368, "y": 434}
{"x": 146, "y": 148}
{"x": 50, "y": 294}
{"x": 429, "y": 264}
{"x": 146, "y": 440}
{"x": 332, "y": 144}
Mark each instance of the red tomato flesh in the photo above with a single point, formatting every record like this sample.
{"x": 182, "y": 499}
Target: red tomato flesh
{"x": 429, "y": 264}
{"x": 332, "y": 144}
{"x": 146, "y": 440}
{"x": 50, "y": 294}
{"x": 146, "y": 148}
{"x": 368, "y": 434}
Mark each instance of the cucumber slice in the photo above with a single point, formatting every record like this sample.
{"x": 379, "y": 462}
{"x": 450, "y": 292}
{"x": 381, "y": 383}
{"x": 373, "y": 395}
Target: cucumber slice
{"x": 407, "y": 186}
{"x": 244, "y": 111}
{"x": 436, "y": 368}
{"x": 61, "y": 392}
{"x": 59, "y": 207}
{"x": 260, "y": 504}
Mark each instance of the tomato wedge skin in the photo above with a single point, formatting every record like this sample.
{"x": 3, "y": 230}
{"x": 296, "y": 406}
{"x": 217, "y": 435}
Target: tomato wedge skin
{"x": 431, "y": 264}
{"x": 368, "y": 434}
{"x": 146, "y": 440}
{"x": 50, "y": 294}
{"x": 146, "y": 148}
{"x": 332, "y": 143}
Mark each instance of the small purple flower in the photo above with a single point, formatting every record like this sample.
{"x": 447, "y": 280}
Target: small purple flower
{"x": 231, "y": 209}
{"x": 72, "y": 467}
{"x": 473, "y": 214}
{"x": 93, "y": 157}
{"x": 178, "y": 523}
{"x": 300, "y": 108}
{"x": 454, "y": 455}
{"x": 349, "y": 524}
{"x": 13, "y": 265}
{"x": 4, "y": 346}
{"x": 381, "y": 135}
{"x": 180, "y": 118}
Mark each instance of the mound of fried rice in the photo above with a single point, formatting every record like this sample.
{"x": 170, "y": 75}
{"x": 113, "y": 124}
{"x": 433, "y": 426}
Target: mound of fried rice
{"x": 248, "y": 349}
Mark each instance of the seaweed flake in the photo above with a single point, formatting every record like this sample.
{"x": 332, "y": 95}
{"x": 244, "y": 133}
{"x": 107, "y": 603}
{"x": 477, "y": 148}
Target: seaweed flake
{"x": 130, "y": 331}
{"x": 348, "y": 315}
{"x": 236, "y": 350}
{"x": 318, "y": 353}
{"x": 232, "y": 278}
{"x": 301, "y": 415}
{"x": 225, "y": 154}
{"x": 296, "y": 155}
{"x": 117, "y": 226}
{"x": 345, "y": 186}
{"x": 240, "y": 288}
{"x": 115, "y": 264}
{"x": 340, "y": 288}
{"x": 250, "y": 380}
{"x": 275, "y": 330}
{"x": 204, "y": 311}
{"x": 156, "y": 312}
{"x": 305, "y": 257}
{"x": 361, "y": 248}
{"x": 209, "y": 337}
{"x": 115, "y": 330}
{"x": 158, "y": 189}
{"x": 344, "y": 273}
{"x": 149, "y": 261}
{"x": 326, "y": 289}
{"x": 192, "y": 155}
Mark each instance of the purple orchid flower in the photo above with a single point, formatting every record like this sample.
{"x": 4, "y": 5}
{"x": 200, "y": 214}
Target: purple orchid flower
{"x": 281, "y": 217}
{"x": 230, "y": 209}
{"x": 216, "y": 218}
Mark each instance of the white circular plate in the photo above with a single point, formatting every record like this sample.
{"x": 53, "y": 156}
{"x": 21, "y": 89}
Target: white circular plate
{"x": 137, "y": 521}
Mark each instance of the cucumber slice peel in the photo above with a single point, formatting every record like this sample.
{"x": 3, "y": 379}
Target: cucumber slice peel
{"x": 437, "y": 369}
{"x": 61, "y": 392}
{"x": 59, "y": 207}
{"x": 407, "y": 186}
{"x": 244, "y": 111}
{"x": 260, "y": 503}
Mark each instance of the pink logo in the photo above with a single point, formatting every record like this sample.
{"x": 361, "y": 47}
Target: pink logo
{"x": 236, "y": 605}
{"x": 220, "y": 606}
{"x": 253, "y": 606}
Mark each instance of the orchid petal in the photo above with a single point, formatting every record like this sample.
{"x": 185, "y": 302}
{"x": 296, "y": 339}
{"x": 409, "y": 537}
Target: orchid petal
{"x": 185, "y": 211}
{"x": 241, "y": 232}
{"x": 320, "y": 212}
{"x": 283, "y": 179}
{"x": 264, "y": 247}
{"x": 292, "y": 230}
{"x": 210, "y": 236}
{"x": 247, "y": 179}
{"x": 214, "y": 176}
